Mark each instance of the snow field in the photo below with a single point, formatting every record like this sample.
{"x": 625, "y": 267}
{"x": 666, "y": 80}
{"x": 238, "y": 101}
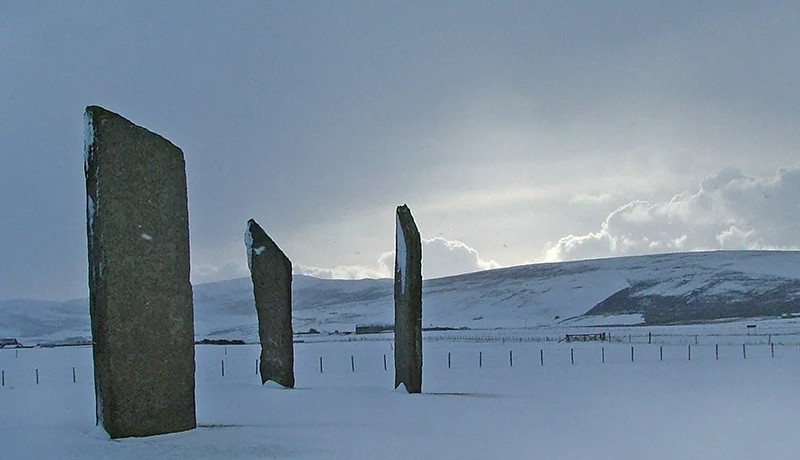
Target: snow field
{"x": 729, "y": 408}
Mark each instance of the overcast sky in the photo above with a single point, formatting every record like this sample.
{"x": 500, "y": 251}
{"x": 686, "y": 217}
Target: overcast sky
{"x": 516, "y": 133}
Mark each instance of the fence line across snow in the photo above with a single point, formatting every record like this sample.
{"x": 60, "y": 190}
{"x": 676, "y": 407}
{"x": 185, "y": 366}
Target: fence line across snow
{"x": 240, "y": 364}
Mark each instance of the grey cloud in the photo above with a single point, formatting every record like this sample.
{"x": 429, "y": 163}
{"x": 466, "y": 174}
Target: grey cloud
{"x": 311, "y": 115}
{"x": 350, "y": 272}
{"x": 210, "y": 273}
{"x": 730, "y": 210}
{"x": 440, "y": 257}
{"x": 591, "y": 199}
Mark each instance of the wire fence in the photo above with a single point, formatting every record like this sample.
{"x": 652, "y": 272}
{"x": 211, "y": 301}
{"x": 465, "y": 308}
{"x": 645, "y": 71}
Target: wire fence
{"x": 241, "y": 363}
{"x": 726, "y": 338}
{"x": 720, "y": 338}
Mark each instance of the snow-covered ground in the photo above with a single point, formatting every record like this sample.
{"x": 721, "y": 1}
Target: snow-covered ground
{"x": 480, "y": 406}
{"x": 734, "y": 399}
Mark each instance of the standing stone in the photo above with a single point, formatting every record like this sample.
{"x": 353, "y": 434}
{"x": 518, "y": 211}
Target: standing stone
{"x": 271, "y": 272}
{"x": 407, "y": 303}
{"x": 140, "y": 298}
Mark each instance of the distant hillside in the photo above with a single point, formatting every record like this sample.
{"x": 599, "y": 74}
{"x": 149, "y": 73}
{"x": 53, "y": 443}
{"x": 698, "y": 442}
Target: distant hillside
{"x": 681, "y": 288}
{"x": 656, "y": 289}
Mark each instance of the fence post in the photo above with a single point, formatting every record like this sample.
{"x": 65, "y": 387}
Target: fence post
{"x": 448, "y": 360}
{"x": 572, "y": 355}
{"x": 480, "y": 359}
{"x": 384, "y": 361}
{"x": 603, "y": 354}
{"x": 2, "y": 378}
{"x": 661, "y": 353}
{"x": 631, "y": 354}
{"x": 541, "y": 357}
{"x": 37, "y": 376}
{"x": 510, "y": 358}
{"x": 744, "y": 351}
{"x": 649, "y": 337}
{"x": 772, "y": 349}
{"x": 222, "y": 366}
{"x": 716, "y": 351}
{"x": 690, "y": 352}
{"x": 320, "y": 364}
{"x": 74, "y": 380}
{"x": 352, "y": 363}
{"x": 695, "y": 340}
{"x": 256, "y": 366}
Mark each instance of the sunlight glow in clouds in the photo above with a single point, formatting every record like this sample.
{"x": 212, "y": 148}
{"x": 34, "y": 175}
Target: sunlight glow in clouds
{"x": 730, "y": 210}
{"x": 440, "y": 257}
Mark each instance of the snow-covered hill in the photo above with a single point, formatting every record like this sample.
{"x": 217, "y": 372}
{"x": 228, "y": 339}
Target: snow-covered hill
{"x": 658, "y": 289}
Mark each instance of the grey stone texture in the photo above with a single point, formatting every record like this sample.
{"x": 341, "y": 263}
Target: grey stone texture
{"x": 407, "y": 303}
{"x": 140, "y": 298}
{"x": 271, "y": 272}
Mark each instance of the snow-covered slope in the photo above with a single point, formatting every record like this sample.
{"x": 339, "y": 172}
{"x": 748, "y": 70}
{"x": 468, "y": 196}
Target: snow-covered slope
{"x": 658, "y": 289}
{"x": 681, "y": 288}
{"x": 35, "y": 321}
{"x": 485, "y": 299}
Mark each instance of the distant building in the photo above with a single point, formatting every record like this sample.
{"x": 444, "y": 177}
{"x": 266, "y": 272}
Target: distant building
{"x": 10, "y": 343}
{"x": 374, "y": 328}
{"x": 337, "y": 328}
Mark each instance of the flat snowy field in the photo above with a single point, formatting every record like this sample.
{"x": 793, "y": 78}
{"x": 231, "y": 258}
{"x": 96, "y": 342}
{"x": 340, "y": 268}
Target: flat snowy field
{"x": 481, "y": 406}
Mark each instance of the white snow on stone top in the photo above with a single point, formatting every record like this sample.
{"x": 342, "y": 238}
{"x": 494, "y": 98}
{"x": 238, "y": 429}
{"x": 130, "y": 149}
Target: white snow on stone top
{"x": 401, "y": 256}
{"x": 146, "y": 237}
{"x": 88, "y": 139}
{"x": 248, "y": 242}
{"x": 90, "y": 210}
{"x": 257, "y": 251}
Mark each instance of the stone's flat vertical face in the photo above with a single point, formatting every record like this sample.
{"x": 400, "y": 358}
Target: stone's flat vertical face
{"x": 140, "y": 298}
{"x": 407, "y": 303}
{"x": 271, "y": 272}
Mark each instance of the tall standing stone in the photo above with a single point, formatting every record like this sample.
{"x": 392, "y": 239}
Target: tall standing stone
{"x": 271, "y": 272}
{"x": 407, "y": 303}
{"x": 140, "y": 298}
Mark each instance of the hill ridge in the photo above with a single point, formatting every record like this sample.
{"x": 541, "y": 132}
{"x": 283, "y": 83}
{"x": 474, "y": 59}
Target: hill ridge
{"x": 656, "y": 289}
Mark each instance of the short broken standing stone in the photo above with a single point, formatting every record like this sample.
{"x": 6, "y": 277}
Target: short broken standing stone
{"x": 140, "y": 298}
{"x": 407, "y": 303}
{"x": 271, "y": 272}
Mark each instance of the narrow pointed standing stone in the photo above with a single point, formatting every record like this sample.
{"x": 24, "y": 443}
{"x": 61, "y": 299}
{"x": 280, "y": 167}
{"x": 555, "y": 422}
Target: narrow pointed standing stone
{"x": 271, "y": 272}
{"x": 140, "y": 298}
{"x": 407, "y": 303}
